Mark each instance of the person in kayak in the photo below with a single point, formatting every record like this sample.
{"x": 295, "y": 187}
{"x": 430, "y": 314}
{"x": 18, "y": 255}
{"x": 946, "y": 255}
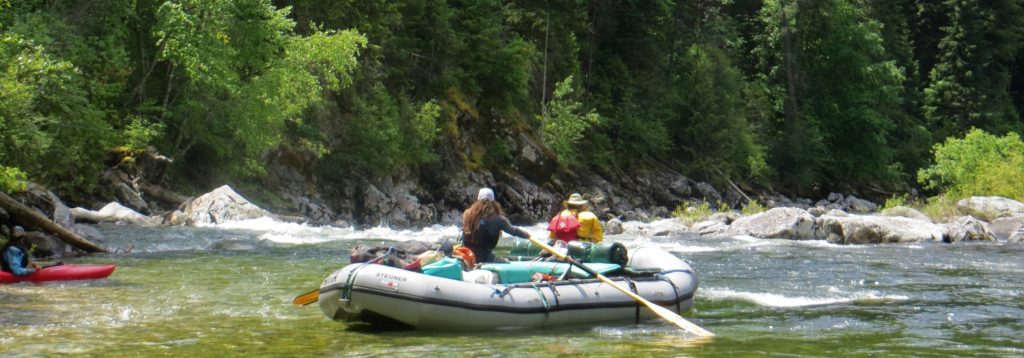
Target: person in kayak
{"x": 576, "y": 222}
{"x": 482, "y": 225}
{"x": 14, "y": 258}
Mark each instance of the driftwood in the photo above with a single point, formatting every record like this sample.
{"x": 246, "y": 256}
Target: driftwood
{"x": 734, "y": 186}
{"x": 34, "y": 218}
{"x": 164, "y": 195}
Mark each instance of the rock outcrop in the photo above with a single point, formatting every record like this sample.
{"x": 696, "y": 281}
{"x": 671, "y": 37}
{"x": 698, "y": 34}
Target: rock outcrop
{"x": 897, "y": 225}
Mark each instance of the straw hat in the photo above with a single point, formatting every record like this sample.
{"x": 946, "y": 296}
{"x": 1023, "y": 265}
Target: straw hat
{"x": 576, "y": 199}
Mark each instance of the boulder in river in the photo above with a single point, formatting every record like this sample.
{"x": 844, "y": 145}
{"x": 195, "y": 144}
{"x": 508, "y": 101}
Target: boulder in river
{"x": 874, "y": 229}
{"x": 989, "y": 208}
{"x": 776, "y": 223}
{"x": 221, "y": 205}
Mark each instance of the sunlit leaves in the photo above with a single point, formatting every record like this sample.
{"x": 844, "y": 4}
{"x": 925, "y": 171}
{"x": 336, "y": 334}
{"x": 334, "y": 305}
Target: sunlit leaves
{"x": 567, "y": 122}
{"x": 978, "y": 164}
{"x": 12, "y": 179}
{"x": 244, "y": 74}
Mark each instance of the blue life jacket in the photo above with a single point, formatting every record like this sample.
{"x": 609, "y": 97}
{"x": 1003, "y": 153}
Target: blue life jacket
{"x": 6, "y": 266}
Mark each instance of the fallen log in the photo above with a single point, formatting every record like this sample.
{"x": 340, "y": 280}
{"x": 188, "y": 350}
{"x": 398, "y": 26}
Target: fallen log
{"x": 31, "y": 217}
{"x": 163, "y": 195}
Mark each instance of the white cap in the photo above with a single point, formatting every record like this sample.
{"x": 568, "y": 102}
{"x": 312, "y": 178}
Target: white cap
{"x": 485, "y": 194}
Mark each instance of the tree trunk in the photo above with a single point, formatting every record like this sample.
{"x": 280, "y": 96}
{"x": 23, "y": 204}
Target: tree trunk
{"x": 159, "y": 193}
{"x": 31, "y": 217}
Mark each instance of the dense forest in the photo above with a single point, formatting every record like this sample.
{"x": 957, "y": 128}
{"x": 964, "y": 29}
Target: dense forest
{"x": 799, "y": 97}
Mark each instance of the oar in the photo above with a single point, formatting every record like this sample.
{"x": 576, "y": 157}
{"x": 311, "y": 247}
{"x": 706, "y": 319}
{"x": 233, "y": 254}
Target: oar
{"x": 307, "y": 298}
{"x": 660, "y": 311}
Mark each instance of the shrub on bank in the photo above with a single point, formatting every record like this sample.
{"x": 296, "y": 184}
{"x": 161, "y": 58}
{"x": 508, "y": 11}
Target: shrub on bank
{"x": 980, "y": 164}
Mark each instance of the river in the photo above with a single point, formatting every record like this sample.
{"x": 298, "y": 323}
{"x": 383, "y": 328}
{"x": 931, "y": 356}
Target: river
{"x": 227, "y": 291}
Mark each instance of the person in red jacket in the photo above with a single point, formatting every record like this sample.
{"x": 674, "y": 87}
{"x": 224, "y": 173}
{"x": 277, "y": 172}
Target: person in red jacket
{"x": 576, "y": 222}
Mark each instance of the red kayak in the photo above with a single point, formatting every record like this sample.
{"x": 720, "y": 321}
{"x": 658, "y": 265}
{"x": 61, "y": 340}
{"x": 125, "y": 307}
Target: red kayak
{"x": 61, "y": 273}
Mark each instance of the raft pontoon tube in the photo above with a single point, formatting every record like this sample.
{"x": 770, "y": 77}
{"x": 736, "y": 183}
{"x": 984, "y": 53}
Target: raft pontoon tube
{"x": 504, "y": 296}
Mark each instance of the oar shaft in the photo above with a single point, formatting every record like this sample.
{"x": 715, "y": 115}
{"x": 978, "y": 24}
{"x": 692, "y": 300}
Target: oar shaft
{"x": 660, "y": 311}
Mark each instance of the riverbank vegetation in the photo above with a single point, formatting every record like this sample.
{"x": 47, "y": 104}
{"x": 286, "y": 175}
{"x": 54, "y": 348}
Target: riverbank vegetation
{"x": 798, "y": 97}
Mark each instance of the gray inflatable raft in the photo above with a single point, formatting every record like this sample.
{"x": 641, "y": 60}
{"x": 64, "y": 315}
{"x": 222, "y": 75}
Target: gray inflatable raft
{"x": 490, "y": 298}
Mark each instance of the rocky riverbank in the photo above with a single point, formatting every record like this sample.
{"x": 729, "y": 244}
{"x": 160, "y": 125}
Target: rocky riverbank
{"x": 842, "y": 220}
{"x": 137, "y": 199}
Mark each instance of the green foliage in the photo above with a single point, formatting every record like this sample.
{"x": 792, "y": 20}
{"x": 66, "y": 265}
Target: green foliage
{"x": 979, "y": 164}
{"x": 423, "y": 131}
{"x": 139, "y": 134}
{"x": 385, "y": 133}
{"x": 753, "y": 207}
{"x": 689, "y": 214}
{"x": 49, "y": 126}
{"x": 803, "y": 97}
{"x": 837, "y": 90}
{"x": 566, "y": 123}
{"x": 968, "y": 84}
{"x": 499, "y": 152}
{"x": 707, "y": 119}
{"x": 243, "y": 74}
{"x": 12, "y": 180}
{"x": 896, "y": 200}
{"x": 941, "y": 208}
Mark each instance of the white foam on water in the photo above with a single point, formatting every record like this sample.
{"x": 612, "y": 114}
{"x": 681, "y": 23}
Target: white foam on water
{"x": 301, "y": 233}
{"x": 782, "y": 301}
{"x": 679, "y": 247}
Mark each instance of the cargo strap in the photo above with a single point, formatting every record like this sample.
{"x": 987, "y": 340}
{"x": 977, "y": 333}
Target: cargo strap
{"x": 543, "y": 299}
{"x": 632, "y": 287}
{"x": 347, "y": 293}
{"x": 554, "y": 292}
{"x": 674, "y": 271}
{"x": 501, "y": 293}
{"x": 661, "y": 275}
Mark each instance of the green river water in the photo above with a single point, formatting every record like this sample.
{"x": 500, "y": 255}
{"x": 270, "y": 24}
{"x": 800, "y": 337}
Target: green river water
{"x": 227, "y": 291}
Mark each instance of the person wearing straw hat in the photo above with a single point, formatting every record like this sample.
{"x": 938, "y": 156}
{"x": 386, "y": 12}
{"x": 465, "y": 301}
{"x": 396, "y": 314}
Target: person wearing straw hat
{"x": 576, "y": 214}
{"x": 482, "y": 225}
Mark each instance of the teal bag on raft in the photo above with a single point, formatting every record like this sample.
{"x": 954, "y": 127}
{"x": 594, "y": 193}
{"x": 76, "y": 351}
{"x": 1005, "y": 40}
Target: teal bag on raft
{"x": 605, "y": 252}
{"x": 447, "y": 267}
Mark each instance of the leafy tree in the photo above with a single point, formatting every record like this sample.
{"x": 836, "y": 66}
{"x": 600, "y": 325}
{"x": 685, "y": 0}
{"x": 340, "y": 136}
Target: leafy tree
{"x": 623, "y": 53}
{"x": 968, "y": 84}
{"x": 797, "y": 145}
{"x": 708, "y": 124}
{"x": 567, "y": 123}
{"x": 853, "y": 88}
{"x": 706, "y": 117}
{"x": 839, "y": 91}
{"x": 978, "y": 164}
{"x": 910, "y": 137}
{"x": 48, "y": 126}
{"x": 383, "y": 133}
{"x": 236, "y": 73}
{"x": 12, "y": 180}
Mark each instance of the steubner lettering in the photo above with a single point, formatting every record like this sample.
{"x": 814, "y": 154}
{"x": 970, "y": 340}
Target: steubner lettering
{"x": 391, "y": 277}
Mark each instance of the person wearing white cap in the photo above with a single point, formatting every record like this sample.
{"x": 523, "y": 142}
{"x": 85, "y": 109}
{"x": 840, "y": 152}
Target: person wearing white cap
{"x": 482, "y": 225}
{"x": 575, "y": 222}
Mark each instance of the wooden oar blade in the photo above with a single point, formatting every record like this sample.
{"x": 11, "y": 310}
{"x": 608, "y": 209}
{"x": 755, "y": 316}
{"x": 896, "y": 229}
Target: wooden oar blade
{"x": 679, "y": 321}
{"x": 307, "y": 298}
